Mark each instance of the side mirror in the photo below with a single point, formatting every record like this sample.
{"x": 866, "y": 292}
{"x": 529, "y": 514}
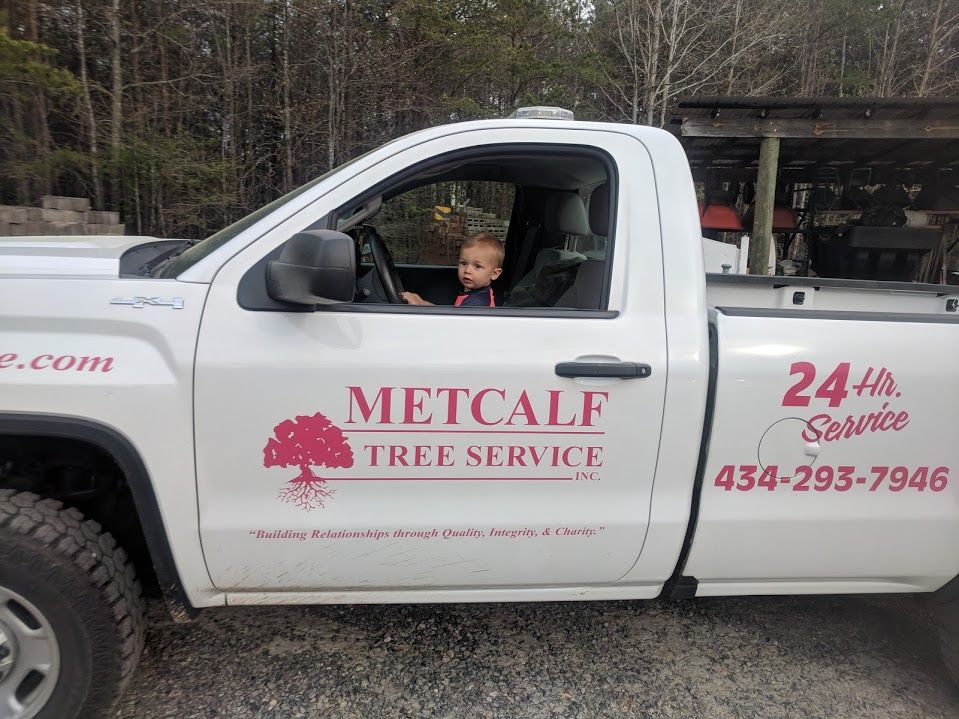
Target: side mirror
{"x": 315, "y": 267}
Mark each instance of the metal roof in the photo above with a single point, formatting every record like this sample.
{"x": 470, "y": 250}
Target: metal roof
{"x": 922, "y": 136}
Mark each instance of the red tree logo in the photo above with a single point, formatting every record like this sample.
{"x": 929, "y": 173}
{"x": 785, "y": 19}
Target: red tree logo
{"x": 307, "y": 442}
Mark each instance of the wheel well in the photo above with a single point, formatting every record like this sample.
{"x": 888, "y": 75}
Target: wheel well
{"x": 82, "y": 475}
{"x": 94, "y": 468}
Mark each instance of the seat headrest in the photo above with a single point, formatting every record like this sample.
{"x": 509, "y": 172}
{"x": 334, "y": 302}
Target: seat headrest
{"x": 564, "y": 212}
{"x": 599, "y": 210}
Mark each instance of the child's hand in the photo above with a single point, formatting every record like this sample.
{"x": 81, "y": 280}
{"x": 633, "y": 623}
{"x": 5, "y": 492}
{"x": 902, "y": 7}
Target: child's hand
{"x": 411, "y": 298}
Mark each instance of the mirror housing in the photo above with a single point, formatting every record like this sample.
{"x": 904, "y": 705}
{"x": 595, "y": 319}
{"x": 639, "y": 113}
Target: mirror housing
{"x": 315, "y": 267}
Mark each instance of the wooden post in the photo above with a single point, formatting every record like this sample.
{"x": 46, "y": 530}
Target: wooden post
{"x": 765, "y": 200}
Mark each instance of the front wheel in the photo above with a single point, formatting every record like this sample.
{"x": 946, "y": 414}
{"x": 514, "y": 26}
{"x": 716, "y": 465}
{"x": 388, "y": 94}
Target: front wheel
{"x": 70, "y": 612}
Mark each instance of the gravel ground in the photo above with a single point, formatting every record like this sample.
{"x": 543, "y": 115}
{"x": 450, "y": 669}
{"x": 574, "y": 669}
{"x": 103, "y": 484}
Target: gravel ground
{"x": 753, "y": 657}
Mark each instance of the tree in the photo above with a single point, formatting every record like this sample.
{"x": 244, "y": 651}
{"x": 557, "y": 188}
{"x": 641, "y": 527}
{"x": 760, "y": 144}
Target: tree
{"x": 194, "y": 114}
{"x": 647, "y": 52}
{"x": 29, "y": 79}
{"x": 306, "y": 442}
{"x": 88, "y": 107}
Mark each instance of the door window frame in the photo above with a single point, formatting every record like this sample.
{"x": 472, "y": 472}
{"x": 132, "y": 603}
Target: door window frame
{"x": 251, "y": 290}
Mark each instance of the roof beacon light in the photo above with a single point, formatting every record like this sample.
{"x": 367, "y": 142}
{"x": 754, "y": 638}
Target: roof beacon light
{"x": 543, "y": 113}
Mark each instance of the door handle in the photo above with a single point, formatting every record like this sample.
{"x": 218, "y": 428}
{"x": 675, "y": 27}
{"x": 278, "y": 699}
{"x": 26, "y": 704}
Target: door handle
{"x": 622, "y": 370}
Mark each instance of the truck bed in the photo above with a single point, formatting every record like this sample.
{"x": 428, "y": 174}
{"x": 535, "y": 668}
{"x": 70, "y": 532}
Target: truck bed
{"x": 833, "y": 295}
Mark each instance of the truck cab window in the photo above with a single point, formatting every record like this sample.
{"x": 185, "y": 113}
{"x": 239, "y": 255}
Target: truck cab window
{"x": 427, "y": 225}
{"x": 424, "y": 228}
{"x": 549, "y": 207}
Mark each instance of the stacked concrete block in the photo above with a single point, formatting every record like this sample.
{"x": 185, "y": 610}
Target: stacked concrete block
{"x": 59, "y": 216}
{"x": 70, "y": 204}
{"x": 479, "y": 221}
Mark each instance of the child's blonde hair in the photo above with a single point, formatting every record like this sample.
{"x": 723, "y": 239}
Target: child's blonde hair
{"x": 487, "y": 239}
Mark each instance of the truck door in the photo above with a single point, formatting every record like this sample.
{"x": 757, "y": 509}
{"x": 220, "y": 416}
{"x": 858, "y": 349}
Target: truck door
{"x": 386, "y": 446}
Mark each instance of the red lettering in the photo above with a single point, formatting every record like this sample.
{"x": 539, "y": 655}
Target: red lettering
{"x": 398, "y": 455}
{"x": 847, "y": 429}
{"x": 725, "y": 477}
{"x": 35, "y": 362}
{"x": 888, "y": 386}
{"x": 92, "y": 364}
{"x": 411, "y": 404}
{"x": 516, "y": 456}
{"x": 554, "y": 397}
{"x": 523, "y": 408}
{"x": 792, "y": 398}
{"x": 834, "y": 388}
{"x": 383, "y": 398}
{"x": 554, "y": 456}
{"x": 64, "y": 362}
{"x": 810, "y": 433}
{"x": 833, "y": 432}
{"x": 866, "y": 386}
{"x": 426, "y": 406}
{"x": 444, "y": 455}
{"x": 421, "y": 456}
{"x": 7, "y": 359}
{"x": 476, "y": 406}
{"x": 473, "y": 456}
{"x": 824, "y": 427}
{"x": 452, "y": 402}
{"x": 592, "y": 403}
{"x": 594, "y": 457}
{"x": 374, "y": 453}
{"x": 494, "y": 456}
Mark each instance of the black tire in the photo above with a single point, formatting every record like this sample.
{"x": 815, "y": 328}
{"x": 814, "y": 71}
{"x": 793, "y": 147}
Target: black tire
{"x": 84, "y": 587}
{"x": 949, "y": 636}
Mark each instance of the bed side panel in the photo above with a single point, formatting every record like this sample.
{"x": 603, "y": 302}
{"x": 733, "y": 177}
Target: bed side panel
{"x": 871, "y": 407}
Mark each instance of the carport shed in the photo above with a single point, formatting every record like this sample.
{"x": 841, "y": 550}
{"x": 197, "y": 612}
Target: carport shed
{"x": 818, "y": 146}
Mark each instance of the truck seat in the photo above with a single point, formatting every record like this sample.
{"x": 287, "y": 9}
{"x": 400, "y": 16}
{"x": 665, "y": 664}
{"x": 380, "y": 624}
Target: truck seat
{"x": 587, "y": 290}
{"x": 564, "y": 214}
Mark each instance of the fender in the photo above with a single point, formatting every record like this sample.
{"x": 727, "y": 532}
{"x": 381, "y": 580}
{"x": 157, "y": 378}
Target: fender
{"x": 135, "y": 472}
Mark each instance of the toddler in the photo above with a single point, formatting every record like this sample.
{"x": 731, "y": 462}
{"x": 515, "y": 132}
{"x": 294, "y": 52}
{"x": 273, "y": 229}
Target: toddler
{"x": 481, "y": 262}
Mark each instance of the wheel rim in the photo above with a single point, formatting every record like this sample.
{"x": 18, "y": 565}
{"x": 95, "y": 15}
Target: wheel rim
{"x": 29, "y": 657}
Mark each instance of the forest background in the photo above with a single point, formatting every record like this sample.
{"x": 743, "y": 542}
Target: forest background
{"x": 184, "y": 116}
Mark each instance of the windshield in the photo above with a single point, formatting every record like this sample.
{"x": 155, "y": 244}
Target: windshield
{"x": 196, "y": 252}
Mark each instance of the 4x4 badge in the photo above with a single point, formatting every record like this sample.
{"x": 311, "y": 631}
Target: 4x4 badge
{"x": 141, "y": 302}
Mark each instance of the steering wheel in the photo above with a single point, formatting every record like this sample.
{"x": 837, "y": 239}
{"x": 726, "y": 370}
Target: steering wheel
{"x": 385, "y": 268}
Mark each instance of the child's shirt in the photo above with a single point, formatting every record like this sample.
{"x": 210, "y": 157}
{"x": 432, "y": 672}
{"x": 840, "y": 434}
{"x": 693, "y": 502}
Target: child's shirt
{"x": 480, "y": 297}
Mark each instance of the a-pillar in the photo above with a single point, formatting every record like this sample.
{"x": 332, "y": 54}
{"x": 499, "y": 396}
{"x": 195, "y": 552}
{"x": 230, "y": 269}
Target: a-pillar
{"x": 762, "y": 236}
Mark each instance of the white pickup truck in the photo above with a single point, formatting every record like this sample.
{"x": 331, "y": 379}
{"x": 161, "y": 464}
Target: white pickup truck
{"x": 257, "y": 418}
